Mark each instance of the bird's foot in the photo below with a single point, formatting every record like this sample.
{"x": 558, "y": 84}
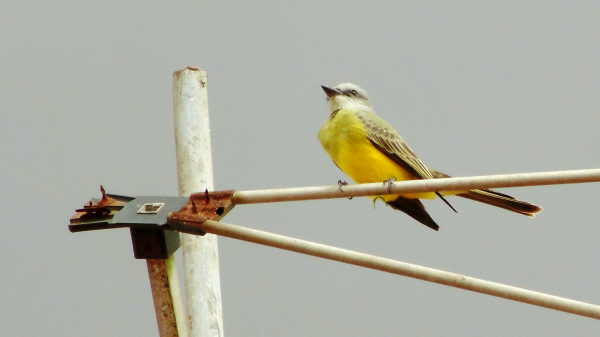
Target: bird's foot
{"x": 389, "y": 183}
{"x": 378, "y": 197}
{"x": 341, "y": 183}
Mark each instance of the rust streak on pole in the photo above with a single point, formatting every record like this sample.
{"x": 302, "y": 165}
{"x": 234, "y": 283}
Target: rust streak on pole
{"x": 161, "y": 294}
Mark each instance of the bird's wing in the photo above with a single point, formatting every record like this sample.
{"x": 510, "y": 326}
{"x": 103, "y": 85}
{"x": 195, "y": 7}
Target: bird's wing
{"x": 389, "y": 142}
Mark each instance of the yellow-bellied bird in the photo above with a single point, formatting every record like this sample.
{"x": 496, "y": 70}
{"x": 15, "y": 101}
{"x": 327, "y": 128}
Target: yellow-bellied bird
{"x": 369, "y": 150}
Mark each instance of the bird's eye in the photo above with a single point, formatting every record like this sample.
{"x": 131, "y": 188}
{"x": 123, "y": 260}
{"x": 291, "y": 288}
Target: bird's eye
{"x": 354, "y": 93}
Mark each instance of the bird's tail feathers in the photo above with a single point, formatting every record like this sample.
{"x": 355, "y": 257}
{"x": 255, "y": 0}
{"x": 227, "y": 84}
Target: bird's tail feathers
{"x": 415, "y": 209}
{"x": 497, "y": 199}
{"x": 503, "y": 201}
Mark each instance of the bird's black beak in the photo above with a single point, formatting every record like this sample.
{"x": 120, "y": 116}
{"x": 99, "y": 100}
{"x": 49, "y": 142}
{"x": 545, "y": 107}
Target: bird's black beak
{"x": 330, "y": 92}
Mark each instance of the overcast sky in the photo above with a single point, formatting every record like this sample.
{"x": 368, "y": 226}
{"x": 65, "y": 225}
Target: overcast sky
{"x": 474, "y": 87}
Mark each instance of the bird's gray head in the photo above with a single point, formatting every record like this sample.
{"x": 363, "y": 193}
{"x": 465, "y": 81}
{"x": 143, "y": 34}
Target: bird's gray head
{"x": 347, "y": 95}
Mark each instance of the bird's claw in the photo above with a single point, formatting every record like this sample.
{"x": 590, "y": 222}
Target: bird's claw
{"x": 378, "y": 197}
{"x": 389, "y": 182}
{"x": 341, "y": 183}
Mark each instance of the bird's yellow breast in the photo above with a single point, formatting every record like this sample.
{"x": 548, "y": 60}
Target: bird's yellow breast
{"x": 345, "y": 140}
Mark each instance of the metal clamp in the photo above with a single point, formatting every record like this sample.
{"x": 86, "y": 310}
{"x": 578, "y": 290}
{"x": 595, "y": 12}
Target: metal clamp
{"x": 153, "y": 221}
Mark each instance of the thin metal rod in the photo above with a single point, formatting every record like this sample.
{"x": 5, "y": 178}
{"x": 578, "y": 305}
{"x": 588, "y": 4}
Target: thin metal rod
{"x": 165, "y": 293}
{"x": 402, "y": 268}
{"x": 416, "y": 186}
{"x": 195, "y": 173}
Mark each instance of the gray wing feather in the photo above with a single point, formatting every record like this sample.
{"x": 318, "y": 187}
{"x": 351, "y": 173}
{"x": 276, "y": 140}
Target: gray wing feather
{"x": 387, "y": 140}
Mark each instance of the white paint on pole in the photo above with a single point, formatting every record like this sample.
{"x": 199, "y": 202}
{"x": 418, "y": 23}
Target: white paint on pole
{"x": 402, "y": 268}
{"x": 194, "y": 170}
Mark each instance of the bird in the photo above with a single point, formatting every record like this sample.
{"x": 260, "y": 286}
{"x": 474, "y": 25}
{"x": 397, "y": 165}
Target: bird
{"x": 369, "y": 150}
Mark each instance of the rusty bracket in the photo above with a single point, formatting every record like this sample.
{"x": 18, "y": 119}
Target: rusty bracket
{"x": 201, "y": 207}
{"x": 97, "y": 214}
{"x": 153, "y": 221}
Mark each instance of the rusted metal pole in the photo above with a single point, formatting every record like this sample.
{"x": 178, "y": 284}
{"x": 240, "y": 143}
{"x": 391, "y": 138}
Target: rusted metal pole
{"x": 166, "y": 296}
{"x": 416, "y": 186}
{"x": 401, "y": 268}
{"x": 194, "y": 170}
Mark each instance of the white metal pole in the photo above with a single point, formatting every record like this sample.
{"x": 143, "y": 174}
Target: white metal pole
{"x": 402, "y": 268}
{"x": 194, "y": 170}
{"x": 416, "y": 186}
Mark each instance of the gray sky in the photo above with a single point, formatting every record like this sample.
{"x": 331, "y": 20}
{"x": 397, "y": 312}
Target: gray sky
{"x": 474, "y": 87}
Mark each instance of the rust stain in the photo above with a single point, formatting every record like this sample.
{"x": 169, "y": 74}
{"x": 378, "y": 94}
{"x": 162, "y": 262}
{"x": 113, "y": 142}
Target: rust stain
{"x": 100, "y": 207}
{"x": 97, "y": 209}
{"x": 106, "y": 200}
{"x": 204, "y": 206}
